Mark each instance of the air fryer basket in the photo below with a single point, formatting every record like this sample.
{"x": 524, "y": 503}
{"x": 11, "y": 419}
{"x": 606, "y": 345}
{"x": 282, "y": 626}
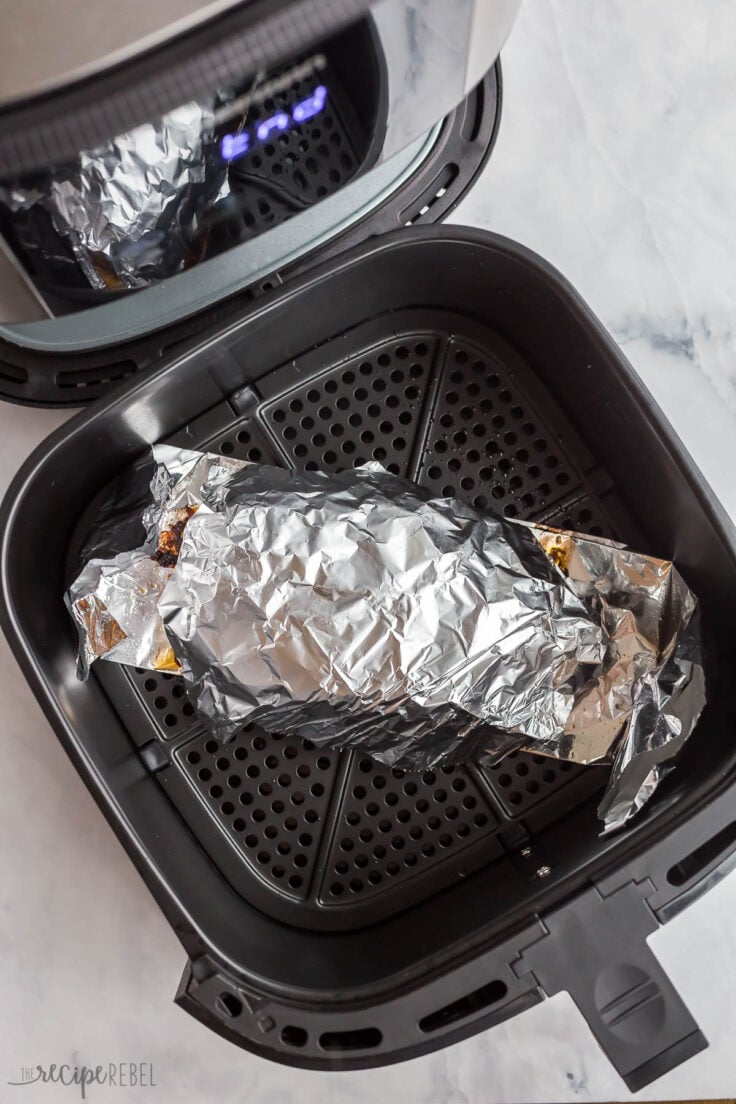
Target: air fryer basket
{"x": 336, "y": 912}
{"x": 335, "y": 841}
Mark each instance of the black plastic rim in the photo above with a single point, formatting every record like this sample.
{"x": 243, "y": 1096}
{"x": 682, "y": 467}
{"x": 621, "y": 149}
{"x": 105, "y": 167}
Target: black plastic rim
{"x": 592, "y": 910}
{"x": 461, "y": 150}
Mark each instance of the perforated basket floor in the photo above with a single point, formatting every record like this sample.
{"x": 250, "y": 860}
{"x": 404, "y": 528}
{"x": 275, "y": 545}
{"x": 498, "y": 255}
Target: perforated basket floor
{"x": 330, "y": 840}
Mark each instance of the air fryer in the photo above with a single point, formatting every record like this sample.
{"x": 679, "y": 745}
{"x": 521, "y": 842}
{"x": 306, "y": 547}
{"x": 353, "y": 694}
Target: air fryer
{"x": 335, "y": 913}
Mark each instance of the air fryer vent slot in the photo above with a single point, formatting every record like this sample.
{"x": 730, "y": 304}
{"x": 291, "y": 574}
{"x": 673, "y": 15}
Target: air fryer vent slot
{"x": 702, "y": 857}
{"x": 13, "y": 373}
{"x": 364, "y": 1038}
{"x": 469, "y": 1005}
{"x": 96, "y": 377}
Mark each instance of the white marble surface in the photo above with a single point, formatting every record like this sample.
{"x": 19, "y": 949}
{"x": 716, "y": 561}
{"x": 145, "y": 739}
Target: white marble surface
{"x": 616, "y": 161}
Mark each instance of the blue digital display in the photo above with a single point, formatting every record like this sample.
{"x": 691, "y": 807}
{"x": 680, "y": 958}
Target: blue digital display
{"x": 310, "y": 107}
{"x": 268, "y": 126}
{"x": 233, "y": 146}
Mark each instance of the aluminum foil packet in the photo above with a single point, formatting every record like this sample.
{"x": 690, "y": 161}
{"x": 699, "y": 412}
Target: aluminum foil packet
{"x": 132, "y": 210}
{"x": 359, "y": 612}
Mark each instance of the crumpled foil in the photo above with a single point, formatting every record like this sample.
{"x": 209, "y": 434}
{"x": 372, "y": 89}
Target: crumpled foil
{"x": 357, "y": 611}
{"x": 114, "y": 599}
{"x": 131, "y": 210}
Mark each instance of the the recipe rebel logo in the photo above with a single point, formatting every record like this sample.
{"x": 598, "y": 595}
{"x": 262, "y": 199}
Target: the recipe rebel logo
{"x": 117, "y": 1075}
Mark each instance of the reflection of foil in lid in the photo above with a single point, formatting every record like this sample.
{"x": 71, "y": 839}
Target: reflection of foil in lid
{"x": 132, "y": 209}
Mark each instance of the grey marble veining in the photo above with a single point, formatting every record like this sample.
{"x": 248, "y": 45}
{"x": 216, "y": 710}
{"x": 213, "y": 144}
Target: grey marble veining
{"x": 616, "y": 161}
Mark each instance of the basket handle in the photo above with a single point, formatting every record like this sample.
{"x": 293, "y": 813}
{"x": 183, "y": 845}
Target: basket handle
{"x": 595, "y": 948}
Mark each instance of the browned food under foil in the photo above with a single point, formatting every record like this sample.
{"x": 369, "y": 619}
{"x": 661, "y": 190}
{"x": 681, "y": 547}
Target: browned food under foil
{"x": 169, "y": 541}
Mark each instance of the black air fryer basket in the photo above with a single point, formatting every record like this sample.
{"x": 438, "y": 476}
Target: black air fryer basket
{"x": 336, "y": 913}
